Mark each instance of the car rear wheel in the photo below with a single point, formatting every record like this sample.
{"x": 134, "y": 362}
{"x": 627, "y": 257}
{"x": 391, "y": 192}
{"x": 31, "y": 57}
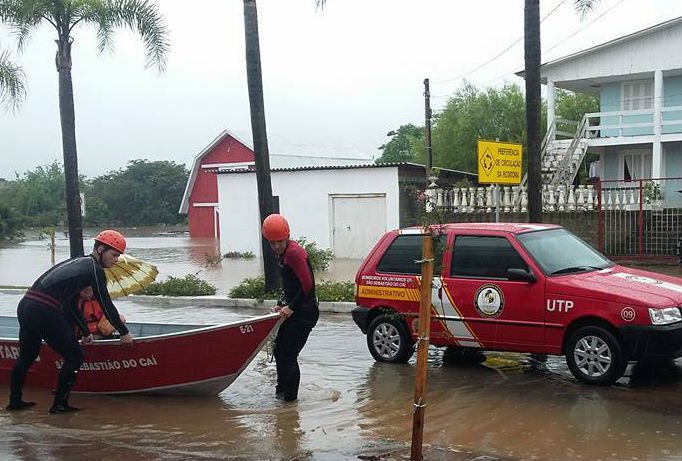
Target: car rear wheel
{"x": 389, "y": 340}
{"x": 595, "y": 356}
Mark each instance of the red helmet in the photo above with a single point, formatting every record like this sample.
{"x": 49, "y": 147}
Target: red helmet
{"x": 113, "y": 238}
{"x": 275, "y": 227}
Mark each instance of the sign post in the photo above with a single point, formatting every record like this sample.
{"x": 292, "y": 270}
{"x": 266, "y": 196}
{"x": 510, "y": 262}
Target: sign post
{"x": 499, "y": 163}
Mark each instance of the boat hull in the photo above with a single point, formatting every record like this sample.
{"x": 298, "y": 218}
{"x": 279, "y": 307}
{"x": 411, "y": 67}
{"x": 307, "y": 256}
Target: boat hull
{"x": 197, "y": 360}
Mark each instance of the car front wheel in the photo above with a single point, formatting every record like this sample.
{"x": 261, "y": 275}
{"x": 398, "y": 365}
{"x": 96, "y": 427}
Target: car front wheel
{"x": 389, "y": 340}
{"x": 595, "y": 356}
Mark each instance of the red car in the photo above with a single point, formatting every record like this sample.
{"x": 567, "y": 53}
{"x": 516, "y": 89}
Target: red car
{"x": 518, "y": 287}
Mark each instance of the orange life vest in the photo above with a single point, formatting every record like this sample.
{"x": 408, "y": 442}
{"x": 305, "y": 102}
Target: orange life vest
{"x": 92, "y": 313}
{"x": 95, "y": 319}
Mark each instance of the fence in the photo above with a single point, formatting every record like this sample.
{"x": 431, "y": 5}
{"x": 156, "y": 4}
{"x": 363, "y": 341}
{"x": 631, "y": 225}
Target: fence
{"x": 640, "y": 218}
{"x": 514, "y": 199}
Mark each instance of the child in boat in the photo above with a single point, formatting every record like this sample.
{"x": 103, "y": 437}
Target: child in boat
{"x": 94, "y": 317}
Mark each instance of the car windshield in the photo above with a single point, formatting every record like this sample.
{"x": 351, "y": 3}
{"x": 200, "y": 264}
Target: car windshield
{"x": 558, "y": 251}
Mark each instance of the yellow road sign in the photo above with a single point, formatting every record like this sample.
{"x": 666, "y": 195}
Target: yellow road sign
{"x": 499, "y": 162}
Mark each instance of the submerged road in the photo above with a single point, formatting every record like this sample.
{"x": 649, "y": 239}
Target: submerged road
{"x": 350, "y": 405}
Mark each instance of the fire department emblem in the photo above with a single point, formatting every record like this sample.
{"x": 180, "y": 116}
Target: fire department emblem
{"x": 489, "y": 300}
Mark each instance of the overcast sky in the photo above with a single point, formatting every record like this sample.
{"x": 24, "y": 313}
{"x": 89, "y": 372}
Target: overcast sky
{"x": 336, "y": 81}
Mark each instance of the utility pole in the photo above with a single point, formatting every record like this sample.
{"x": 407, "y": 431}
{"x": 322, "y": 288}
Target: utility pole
{"x": 427, "y": 127}
{"x": 430, "y": 191}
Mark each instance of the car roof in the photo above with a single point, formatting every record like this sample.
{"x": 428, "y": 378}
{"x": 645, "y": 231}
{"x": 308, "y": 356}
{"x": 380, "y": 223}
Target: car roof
{"x": 512, "y": 227}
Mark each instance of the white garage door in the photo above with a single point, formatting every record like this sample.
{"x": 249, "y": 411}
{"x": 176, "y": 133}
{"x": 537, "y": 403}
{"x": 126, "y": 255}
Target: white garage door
{"x": 357, "y": 223}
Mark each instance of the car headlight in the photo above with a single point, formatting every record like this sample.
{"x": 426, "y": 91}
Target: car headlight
{"x": 665, "y": 315}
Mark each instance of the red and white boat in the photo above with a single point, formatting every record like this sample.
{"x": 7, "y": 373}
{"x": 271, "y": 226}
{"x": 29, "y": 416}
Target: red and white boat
{"x": 165, "y": 358}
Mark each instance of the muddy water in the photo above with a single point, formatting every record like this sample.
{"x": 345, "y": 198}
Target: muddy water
{"x": 502, "y": 407}
{"x": 350, "y": 405}
{"x": 175, "y": 255}
{"x": 245, "y": 421}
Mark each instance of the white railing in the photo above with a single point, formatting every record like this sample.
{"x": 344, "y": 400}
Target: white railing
{"x": 632, "y": 122}
{"x": 514, "y": 199}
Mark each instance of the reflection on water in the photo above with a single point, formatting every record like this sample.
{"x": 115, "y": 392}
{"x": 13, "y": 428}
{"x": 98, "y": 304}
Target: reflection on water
{"x": 243, "y": 422}
{"x": 495, "y": 404}
{"x": 175, "y": 254}
{"x": 519, "y": 412}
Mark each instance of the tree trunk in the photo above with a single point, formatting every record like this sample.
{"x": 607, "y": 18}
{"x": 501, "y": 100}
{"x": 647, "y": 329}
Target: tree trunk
{"x": 68, "y": 121}
{"x": 533, "y": 109}
{"x": 260, "y": 138}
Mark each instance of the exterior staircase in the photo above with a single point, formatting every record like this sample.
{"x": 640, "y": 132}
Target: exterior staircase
{"x": 561, "y": 158}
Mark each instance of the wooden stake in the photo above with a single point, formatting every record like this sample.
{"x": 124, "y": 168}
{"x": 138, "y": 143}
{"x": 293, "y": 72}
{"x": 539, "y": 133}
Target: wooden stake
{"x": 422, "y": 346}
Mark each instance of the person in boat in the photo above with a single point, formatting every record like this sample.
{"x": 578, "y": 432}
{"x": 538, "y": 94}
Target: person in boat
{"x": 298, "y": 305}
{"x": 49, "y": 307}
{"x": 94, "y": 317}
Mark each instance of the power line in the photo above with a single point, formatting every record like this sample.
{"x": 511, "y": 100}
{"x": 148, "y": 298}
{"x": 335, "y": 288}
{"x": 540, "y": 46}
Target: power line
{"x": 585, "y": 26}
{"x": 560, "y": 42}
{"x": 671, "y": 109}
{"x": 499, "y": 54}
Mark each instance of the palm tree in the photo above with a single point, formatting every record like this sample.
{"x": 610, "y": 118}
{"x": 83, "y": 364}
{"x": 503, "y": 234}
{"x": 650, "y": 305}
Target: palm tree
{"x": 533, "y": 101}
{"x": 12, "y": 89}
{"x": 258, "y": 130}
{"x": 260, "y": 138}
{"x": 140, "y": 16}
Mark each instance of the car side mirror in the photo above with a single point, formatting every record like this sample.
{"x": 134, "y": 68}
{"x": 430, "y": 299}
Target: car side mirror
{"x": 521, "y": 275}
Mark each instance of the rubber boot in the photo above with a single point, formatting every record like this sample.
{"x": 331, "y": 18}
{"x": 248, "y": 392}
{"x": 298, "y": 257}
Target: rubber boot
{"x": 61, "y": 395}
{"x": 15, "y": 393}
{"x": 16, "y": 405}
{"x": 59, "y": 407}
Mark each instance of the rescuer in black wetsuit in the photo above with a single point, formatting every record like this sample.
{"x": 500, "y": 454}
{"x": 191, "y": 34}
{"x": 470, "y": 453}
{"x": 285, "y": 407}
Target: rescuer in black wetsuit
{"x": 49, "y": 309}
{"x": 298, "y": 305}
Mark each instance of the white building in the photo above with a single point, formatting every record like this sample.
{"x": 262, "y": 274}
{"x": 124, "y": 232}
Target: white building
{"x": 638, "y": 131}
{"x": 345, "y": 208}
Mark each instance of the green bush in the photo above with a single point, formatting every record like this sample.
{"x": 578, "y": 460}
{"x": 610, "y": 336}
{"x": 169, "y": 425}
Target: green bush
{"x": 319, "y": 259}
{"x": 190, "y": 285}
{"x": 10, "y": 223}
{"x": 335, "y": 291}
{"x": 212, "y": 260}
{"x": 237, "y": 255}
{"x": 254, "y": 288}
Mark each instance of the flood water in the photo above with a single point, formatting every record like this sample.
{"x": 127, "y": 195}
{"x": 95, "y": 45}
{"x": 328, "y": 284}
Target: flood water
{"x": 175, "y": 255}
{"x": 349, "y": 405}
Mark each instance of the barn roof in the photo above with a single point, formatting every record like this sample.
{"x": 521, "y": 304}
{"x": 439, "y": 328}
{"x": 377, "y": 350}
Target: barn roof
{"x": 184, "y": 205}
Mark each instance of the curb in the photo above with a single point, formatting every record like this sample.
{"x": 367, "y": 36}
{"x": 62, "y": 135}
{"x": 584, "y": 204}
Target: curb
{"x": 213, "y": 301}
{"x": 224, "y": 301}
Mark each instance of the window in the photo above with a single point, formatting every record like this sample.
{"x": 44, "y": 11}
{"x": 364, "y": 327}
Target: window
{"x": 559, "y": 251}
{"x": 400, "y": 257}
{"x": 636, "y": 165}
{"x": 484, "y": 257}
{"x": 638, "y": 95}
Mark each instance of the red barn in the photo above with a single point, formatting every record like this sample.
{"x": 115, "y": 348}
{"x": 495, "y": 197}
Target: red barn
{"x": 200, "y": 201}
